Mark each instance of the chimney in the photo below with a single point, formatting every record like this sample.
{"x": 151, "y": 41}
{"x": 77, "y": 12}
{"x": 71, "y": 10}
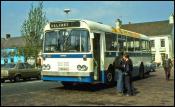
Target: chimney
{"x": 171, "y": 19}
{"x": 118, "y": 23}
{"x": 7, "y": 36}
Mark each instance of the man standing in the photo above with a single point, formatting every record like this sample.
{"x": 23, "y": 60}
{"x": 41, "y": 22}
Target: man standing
{"x": 167, "y": 65}
{"x": 128, "y": 67}
{"x": 118, "y": 63}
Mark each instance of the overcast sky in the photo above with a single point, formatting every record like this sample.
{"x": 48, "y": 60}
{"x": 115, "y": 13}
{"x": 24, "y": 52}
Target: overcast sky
{"x": 13, "y": 13}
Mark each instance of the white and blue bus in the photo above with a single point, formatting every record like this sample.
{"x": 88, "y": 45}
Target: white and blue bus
{"x": 83, "y": 51}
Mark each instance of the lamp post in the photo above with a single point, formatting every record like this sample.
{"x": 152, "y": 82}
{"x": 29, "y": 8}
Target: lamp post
{"x": 67, "y": 12}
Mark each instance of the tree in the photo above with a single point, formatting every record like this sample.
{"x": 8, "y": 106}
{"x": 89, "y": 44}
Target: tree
{"x": 32, "y": 29}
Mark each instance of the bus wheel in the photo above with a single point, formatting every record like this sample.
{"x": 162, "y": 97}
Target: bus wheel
{"x": 109, "y": 77}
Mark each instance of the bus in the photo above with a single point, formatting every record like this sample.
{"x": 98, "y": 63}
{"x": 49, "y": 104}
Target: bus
{"x": 83, "y": 51}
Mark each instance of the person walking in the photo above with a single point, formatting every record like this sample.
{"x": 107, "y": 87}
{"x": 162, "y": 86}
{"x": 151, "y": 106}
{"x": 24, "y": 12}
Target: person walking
{"x": 119, "y": 68}
{"x": 167, "y": 65}
{"x": 128, "y": 68}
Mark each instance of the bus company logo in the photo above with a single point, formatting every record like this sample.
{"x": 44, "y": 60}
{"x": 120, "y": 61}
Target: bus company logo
{"x": 63, "y": 56}
{"x": 48, "y": 56}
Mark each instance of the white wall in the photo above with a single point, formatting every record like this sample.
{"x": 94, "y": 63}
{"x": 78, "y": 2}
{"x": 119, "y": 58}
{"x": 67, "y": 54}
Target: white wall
{"x": 173, "y": 42}
{"x": 157, "y": 50}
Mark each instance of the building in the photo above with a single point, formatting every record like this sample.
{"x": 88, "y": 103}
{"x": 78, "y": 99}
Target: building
{"x": 12, "y": 49}
{"x": 161, "y": 34}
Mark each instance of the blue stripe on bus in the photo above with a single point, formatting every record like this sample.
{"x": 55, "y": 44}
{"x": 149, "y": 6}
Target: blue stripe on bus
{"x": 68, "y": 56}
{"x": 111, "y": 54}
{"x": 103, "y": 79}
{"x": 87, "y": 79}
{"x": 131, "y": 54}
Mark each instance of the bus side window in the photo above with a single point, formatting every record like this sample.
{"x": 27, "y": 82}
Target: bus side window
{"x": 130, "y": 43}
{"x": 111, "y": 42}
{"x": 136, "y": 45}
{"x": 122, "y": 43}
{"x": 143, "y": 45}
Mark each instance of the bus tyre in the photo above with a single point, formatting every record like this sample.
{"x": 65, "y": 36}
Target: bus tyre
{"x": 110, "y": 79}
{"x": 110, "y": 76}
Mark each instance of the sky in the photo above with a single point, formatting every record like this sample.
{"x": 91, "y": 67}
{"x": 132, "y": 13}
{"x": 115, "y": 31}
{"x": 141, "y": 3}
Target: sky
{"x": 13, "y": 13}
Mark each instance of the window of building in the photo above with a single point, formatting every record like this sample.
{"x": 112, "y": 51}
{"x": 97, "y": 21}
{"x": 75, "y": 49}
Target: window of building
{"x": 12, "y": 60}
{"x": 163, "y": 56}
{"x": 162, "y": 41}
{"x": 153, "y": 57}
{"x": 5, "y": 60}
{"x": 152, "y": 43}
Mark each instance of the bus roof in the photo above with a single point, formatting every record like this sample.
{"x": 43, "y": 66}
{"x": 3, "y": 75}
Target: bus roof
{"x": 106, "y": 28}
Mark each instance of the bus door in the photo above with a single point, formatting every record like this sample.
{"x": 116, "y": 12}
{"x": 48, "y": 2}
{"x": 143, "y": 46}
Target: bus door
{"x": 96, "y": 52}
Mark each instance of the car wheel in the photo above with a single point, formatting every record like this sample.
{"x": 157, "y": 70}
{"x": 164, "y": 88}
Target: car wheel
{"x": 39, "y": 77}
{"x": 24, "y": 79}
{"x": 148, "y": 73}
{"x": 17, "y": 78}
{"x": 2, "y": 80}
{"x": 12, "y": 80}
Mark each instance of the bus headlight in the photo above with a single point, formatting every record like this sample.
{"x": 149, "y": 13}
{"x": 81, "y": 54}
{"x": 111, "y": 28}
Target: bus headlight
{"x": 79, "y": 67}
{"x": 44, "y": 67}
{"x": 48, "y": 67}
{"x": 84, "y": 68}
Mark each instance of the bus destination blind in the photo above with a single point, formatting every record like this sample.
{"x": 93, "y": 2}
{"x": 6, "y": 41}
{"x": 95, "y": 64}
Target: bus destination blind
{"x": 64, "y": 24}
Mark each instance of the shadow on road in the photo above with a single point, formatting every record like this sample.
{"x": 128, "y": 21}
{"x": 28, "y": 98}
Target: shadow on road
{"x": 86, "y": 87}
{"x": 21, "y": 80}
{"x": 145, "y": 77}
{"x": 98, "y": 86}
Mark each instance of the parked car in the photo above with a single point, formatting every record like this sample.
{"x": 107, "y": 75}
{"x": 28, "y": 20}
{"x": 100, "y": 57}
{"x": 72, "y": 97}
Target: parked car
{"x": 15, "y": 72}
{"x": 153, "y": 67}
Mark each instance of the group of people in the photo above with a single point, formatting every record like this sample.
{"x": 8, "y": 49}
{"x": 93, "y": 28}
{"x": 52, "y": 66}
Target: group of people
{"x": 124, "y": 67}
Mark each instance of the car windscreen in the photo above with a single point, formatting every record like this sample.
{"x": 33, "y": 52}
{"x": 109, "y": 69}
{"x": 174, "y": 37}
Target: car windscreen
{"x": 9, "y": 66}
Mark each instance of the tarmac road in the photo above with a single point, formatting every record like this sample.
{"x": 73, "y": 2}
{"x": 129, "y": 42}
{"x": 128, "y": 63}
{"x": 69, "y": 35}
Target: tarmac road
{"x": 153, "y": 90}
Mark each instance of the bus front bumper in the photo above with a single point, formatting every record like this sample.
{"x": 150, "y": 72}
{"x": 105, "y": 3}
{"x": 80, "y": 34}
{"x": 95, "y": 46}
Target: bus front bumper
{"x": 67, "y": 76}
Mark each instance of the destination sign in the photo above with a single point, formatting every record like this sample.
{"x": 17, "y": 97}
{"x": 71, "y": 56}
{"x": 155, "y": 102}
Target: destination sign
{"x": 64, "y": 24}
